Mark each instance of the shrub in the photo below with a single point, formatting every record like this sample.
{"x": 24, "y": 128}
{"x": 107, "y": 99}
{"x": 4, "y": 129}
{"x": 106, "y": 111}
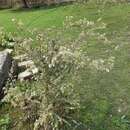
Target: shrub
{"x": 6, "y": 40}
{"x": 4, "y": 122}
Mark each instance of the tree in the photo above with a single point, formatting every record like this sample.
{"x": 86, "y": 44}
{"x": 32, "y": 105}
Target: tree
{"x": 26, "y": 3}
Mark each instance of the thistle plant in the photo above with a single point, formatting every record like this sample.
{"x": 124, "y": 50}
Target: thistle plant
{"x": 52, "y": 101}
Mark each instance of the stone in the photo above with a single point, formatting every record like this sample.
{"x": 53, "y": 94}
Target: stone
{"x": 26, "y": 64}
{"x": 9, "y": 51}
{"x": 35, "y": 70}
{"x": 14, "y": 69}
{"x": 20, "y": 58}
{"x": 26, "y": 75}
{"x": 5, "y": 65}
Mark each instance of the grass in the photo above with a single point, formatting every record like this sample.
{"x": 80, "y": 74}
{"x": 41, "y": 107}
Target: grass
{"x": 115, "y": 16}
{"x": 105, "y": 92}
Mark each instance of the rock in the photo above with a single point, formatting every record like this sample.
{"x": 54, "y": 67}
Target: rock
{"x": 35, "y": 70}
{"x": 20, "y": 58}
{"x": 5, "y": 65}
{"x": 26, "y": 75}
{"x": 14, "y": 69}
{"x": 26, "y": 64}
{"x": 26, "y": 67}
{"x": 9, "y": 51}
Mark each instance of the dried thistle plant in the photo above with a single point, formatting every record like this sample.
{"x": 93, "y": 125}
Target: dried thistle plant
{"x": 52, "y": 102}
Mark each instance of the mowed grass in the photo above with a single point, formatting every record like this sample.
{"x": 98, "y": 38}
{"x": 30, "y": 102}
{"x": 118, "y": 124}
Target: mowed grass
{"x": 115, "y": 16}
{"x": 105, "y": 92}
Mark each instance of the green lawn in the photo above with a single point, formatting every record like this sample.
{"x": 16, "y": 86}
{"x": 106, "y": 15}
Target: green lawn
{"x": 115, "y": 16}
{"x": 105, "y": 92}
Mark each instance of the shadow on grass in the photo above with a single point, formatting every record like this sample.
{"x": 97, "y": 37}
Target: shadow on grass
{"x": 4, "y": 8}
{"x": 44, "y": 7}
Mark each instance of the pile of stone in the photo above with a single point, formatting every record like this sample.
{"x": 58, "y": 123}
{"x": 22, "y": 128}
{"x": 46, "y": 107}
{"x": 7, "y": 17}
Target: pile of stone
{"x": 27, "y": 68}
{"x": 20, "y": 67}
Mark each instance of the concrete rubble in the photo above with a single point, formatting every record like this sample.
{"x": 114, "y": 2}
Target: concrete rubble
{"x": 5, "y": 65}
{"x": 20, "y": 66}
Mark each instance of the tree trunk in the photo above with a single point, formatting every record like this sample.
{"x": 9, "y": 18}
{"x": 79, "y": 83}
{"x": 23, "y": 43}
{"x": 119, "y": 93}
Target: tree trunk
{"x": 26, "y": 5}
